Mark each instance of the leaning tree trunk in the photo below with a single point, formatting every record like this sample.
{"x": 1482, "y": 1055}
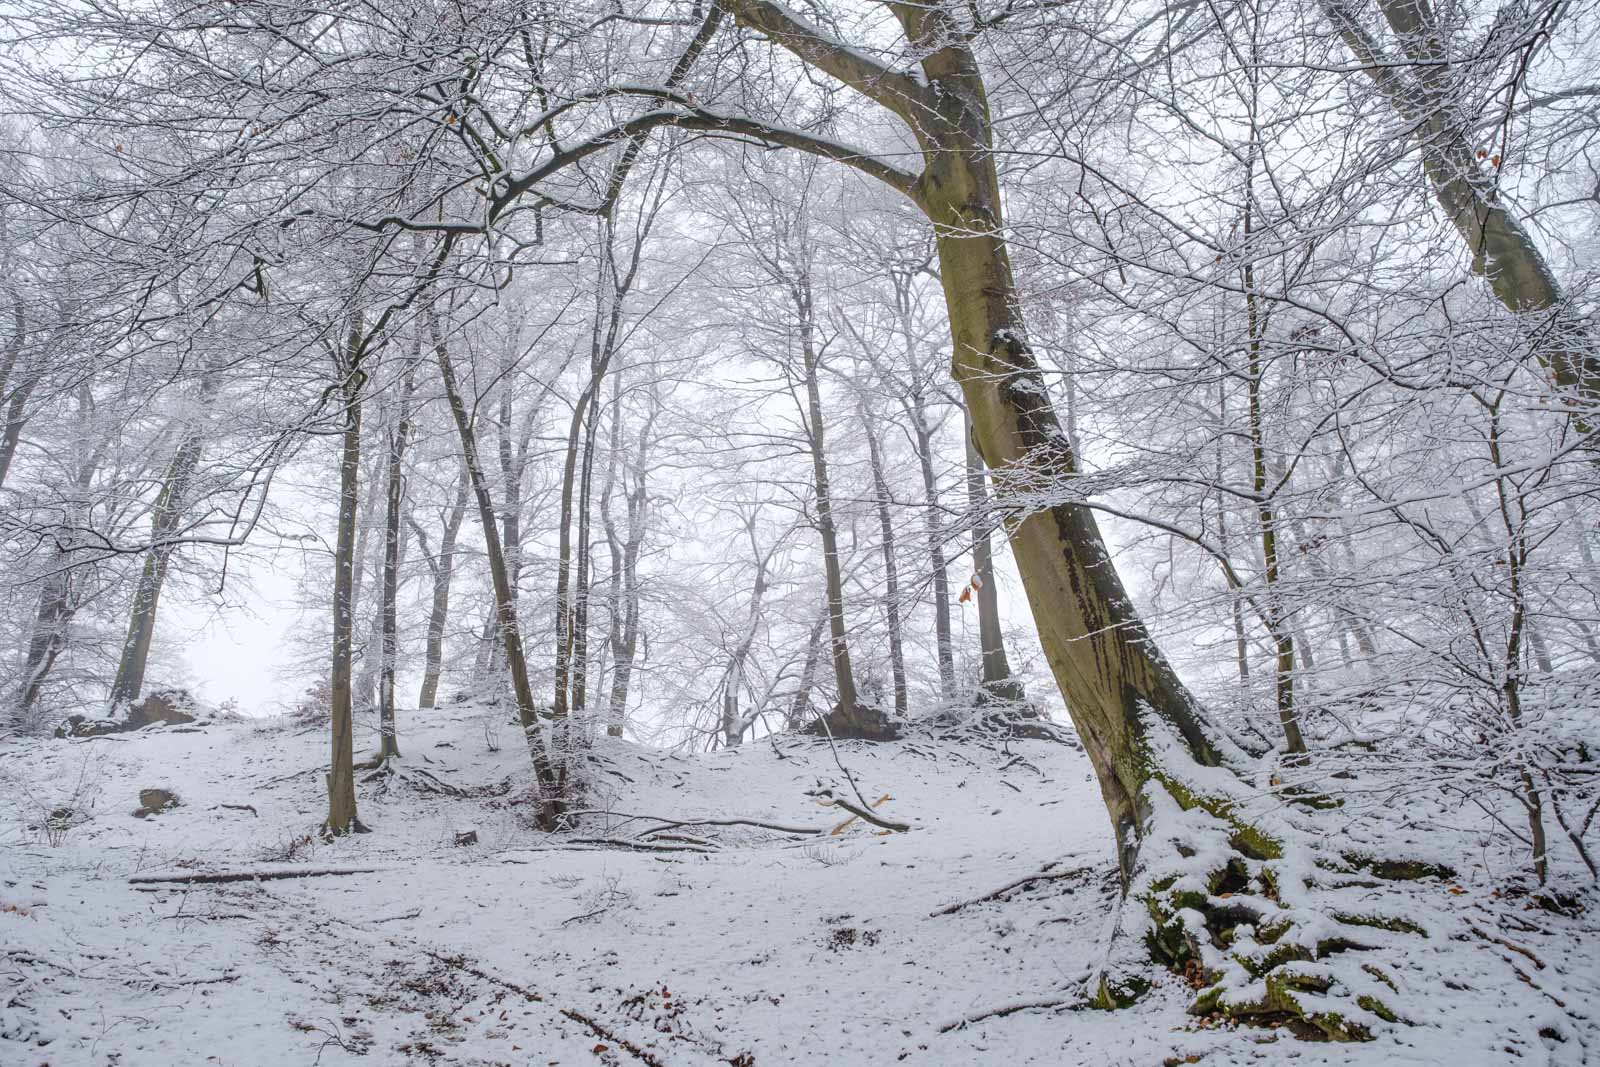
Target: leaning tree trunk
{"x": 1420, "y": 85}
{"x": 800, "y": 705}
{"x": 164, "y": 522}
{"x": 1183, "y": 846}
{"x": 997, "y": 682}
{"x": 551, "y": 802}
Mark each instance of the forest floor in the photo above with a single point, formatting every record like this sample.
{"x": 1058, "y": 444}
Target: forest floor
{"x": 750, "y": 947}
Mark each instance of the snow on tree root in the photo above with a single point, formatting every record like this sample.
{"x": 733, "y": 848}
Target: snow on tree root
{"x": 1255, "y": 912}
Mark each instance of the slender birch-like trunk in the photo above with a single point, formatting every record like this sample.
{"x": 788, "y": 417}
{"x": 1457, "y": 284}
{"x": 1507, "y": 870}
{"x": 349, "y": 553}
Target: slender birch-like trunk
{"x": 443, "y": 568}
{"x": 996, "y": 681}
{"x": 891, "y": 573}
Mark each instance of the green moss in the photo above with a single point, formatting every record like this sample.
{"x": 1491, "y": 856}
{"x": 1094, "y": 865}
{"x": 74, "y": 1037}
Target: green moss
{"x": 1380, "y": 976}
{"x": 1380, "y": 922}
{"x": 1378, "y": 1008}
{"x": 1398, "y": 870}
{"x": 1245, "y": 838}
{"x": 1121, "y": 994}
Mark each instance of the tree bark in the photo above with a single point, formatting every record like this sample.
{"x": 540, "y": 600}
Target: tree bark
{"x": 996, "y": 681}
{"x": 849, "y": 720}
{"x": 551, "y": 803}
{"x": 1421, "y": 90}
{"x": 13, "y": 396}
{"x": 60, "y": 597}
{"x": 393, "y": 534}
{"x": 1115, "y": 681}
{"x": 342, "y": 818}
{"x": 891, "y": 575}
{"x": 165, "y": 519}
{"x": 733, "y": 724}
{"x": 944, "y": 640}
{"x": 443, "y": 568}
{"x": 623, "y": 633}
{"x": 800, "y": 706}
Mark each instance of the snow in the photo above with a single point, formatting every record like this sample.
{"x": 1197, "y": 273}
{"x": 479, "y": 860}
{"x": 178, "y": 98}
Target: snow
{"x": 756, "y": 947}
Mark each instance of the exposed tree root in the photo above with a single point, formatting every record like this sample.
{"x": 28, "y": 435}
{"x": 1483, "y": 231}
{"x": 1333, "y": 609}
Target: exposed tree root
{"x": 1252, "y": 912}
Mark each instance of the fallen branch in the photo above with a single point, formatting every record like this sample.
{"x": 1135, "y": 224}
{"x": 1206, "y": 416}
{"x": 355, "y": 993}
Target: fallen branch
{"x": 1010, "y": 887}
{"x": 1004, "y": 1010}
{"x": 413, "y": 914}
{"x": 216, "y": 877}
{"x": 865, "y": 813}
{"x": 674, "y": 824}
{"x": 287, "y": 777}
{"x": 837, "y": 830}
{"x": 637, "y": 846}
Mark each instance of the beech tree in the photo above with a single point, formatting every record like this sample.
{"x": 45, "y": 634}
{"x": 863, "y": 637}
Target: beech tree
{"x": 489, "y": 137}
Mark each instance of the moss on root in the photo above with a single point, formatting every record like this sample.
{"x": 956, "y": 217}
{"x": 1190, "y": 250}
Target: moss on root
{"x": 1235, "y": 927}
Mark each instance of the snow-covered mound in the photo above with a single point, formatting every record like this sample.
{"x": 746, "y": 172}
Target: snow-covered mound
{"x": 631, "y": 940}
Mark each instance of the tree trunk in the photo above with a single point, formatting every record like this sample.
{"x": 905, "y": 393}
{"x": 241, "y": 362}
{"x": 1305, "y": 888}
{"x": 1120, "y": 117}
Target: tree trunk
{"x": 60, "y": 597}
{"x": 623, "y": 631}
{"x": 13, "y": 396}
{"x": 891, "y": 575}
{"x": 849, "y": 718}
{"x": 342, "y": 817}
{"x": 581, "y": 579}
{"x": 1116, "y": 683}
{"x": 165, "y": 520}
{"x": 551, "y": 804}
{"x": 49, "y": 634}
{"x": 364, "y": 692}
{"x": 996, "y": 682}
{"x": 439, "y": 613}
{"x": 800, "y": 706}
{"x": 1421, "y": 88}
{"x": 943, "y": 639}
{"x": 733, "y": 724}
{"x": 393, "y": 532}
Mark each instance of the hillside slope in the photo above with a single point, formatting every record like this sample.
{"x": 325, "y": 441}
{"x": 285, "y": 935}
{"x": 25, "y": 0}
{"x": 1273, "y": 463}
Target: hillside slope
{"x": 706, "y": 944}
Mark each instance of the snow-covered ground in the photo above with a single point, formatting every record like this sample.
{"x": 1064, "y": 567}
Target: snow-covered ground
{"x": 741, "y": 946}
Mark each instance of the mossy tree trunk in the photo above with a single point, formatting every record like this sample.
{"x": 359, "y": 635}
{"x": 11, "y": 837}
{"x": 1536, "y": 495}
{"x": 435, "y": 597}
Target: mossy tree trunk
{"x": 1098, "y": 648}
{"x": 1156, "y": 755}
